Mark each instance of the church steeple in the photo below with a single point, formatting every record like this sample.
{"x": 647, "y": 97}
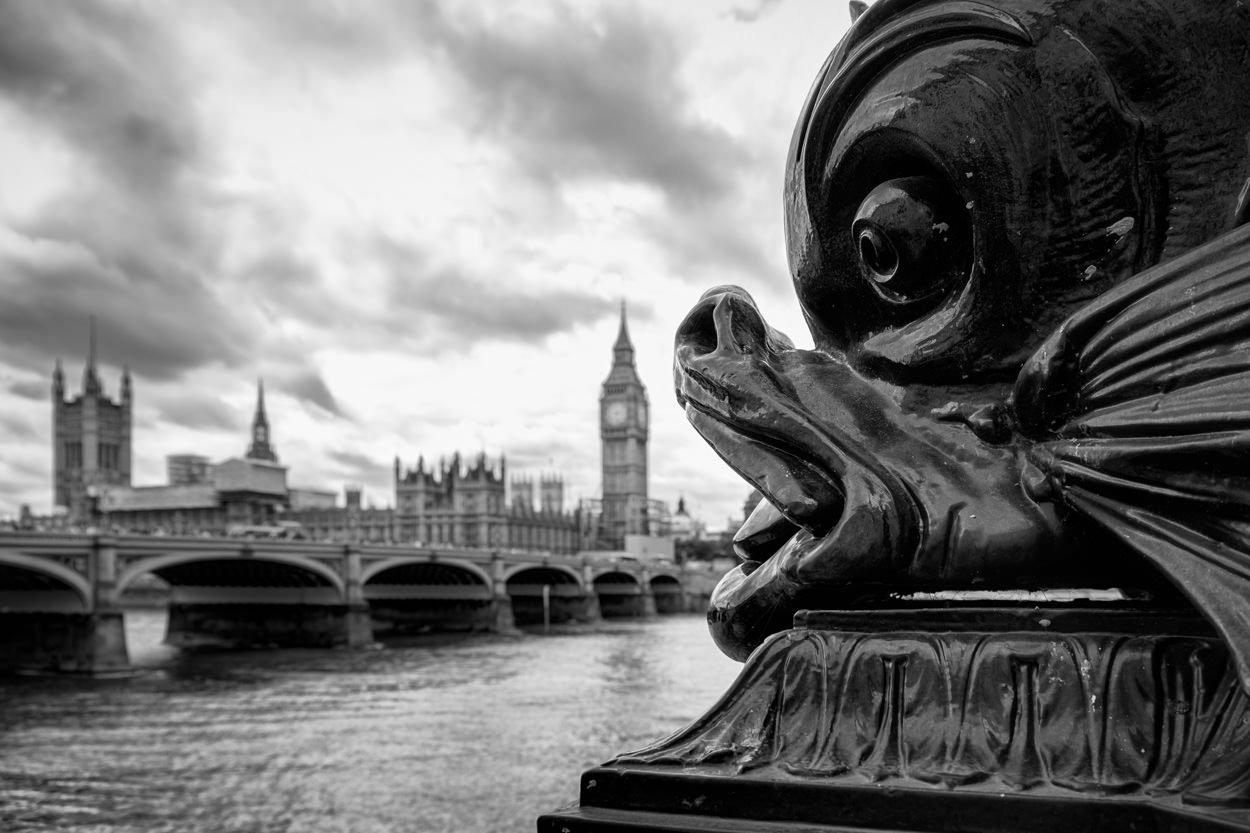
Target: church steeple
{"x": 623, "y": 371}
{"x": 623, "y": 350}
{"x": 90, "y": 378}
{"x": 260, "y": 449}
{"x": 623, "y": 431}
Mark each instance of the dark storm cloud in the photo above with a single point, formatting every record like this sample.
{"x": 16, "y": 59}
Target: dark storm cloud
{"x": 14, "y": 427}
{"x": 308, "y": 386}
{"x": 288, "y": 285}
{"x": 132, "y": 242}
{"x": 583, "y": 95}
{"x": 580, "y": 96}
{"x": 357, "y": 465}
{"x": 157, "y": 329}
{"x": 595, "y": 94}
{"x": 752, "y": 12}
{"x": 199, "y": 412}
{"x": 444, "y": 309}
{"x": 37, "y": 391}
{"x": 720, "y": 240}
{"x": 106, "y": 80}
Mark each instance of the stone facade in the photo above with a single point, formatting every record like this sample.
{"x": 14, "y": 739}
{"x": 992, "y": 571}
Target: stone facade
{"x": 352, "y": 523}
{"x": 466, "y": 505}
{"x": 455, "y": 504}
{"x": 186, "y": 469}
{"x": 235, "y": 495}
{"x": 91, "y": 446}
{"x": 624, "y": 424}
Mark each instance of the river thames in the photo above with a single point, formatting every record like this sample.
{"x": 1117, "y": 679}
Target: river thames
{"x": 468, "y": 734}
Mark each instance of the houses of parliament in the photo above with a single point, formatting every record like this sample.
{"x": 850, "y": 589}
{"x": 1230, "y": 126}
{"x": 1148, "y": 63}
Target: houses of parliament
{"x": 453, "y": 502}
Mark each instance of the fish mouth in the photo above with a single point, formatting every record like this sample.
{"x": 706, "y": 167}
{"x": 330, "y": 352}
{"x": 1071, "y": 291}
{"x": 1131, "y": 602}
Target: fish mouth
{"x": 801, "y": 501}
{"x": 798, "y": 489}
{"x": 746, "y": 390}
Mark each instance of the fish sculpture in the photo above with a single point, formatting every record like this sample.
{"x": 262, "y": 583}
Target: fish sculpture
{"x": 1017, "y": 232}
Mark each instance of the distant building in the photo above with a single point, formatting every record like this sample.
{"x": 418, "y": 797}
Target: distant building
{"x": 456, "y": 504}
{"x": 550, "y": 493}
{"x": 298, "y": 499}
{"x": 623, "y": 431}
{"x": 91, "y": 438}
{"x": 649, "y": 547}
{"x": 350, "y": 523}
{"x": 684, "y": 527}
{"x": 187, "y": 469}
{"x": 522, "y": 496}
{"x": 748, "y": 506}
{"x": 260, "y": 449}
{"x": 239, "y": 492}
{"x": 465, "y": 505}
{"x": 590, "y": 512}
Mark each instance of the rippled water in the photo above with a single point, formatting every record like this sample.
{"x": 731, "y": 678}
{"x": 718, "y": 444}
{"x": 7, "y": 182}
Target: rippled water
{"x": 472, "y": 734}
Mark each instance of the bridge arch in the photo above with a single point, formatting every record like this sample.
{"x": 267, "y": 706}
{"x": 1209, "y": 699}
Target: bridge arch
{"x": 543, "y": 593}
{"x": 668, "y": 592}
{"x": 618, "y": 581}
{"x": 49, "y": 593}
{"x": 407, "y": 595}
{"x": 572, "y": 573}
{"x": 321, "y": 573}
{"x": 375, "y": 569}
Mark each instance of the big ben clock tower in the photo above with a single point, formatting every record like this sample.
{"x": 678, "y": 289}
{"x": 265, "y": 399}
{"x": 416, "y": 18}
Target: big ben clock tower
{"x": 623, "y": 421}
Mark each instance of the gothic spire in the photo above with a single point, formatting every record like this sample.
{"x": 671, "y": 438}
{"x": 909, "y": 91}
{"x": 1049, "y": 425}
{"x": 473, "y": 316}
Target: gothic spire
{"x": 624, "y": 371}
{"x": 260, "y": 449}
{"x": 624, "y": 348}
{"x": 90, "y": 379}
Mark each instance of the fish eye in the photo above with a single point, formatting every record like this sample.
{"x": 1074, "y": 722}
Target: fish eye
{"x": 877, "y": 253}
{"x": 911, "y": 238}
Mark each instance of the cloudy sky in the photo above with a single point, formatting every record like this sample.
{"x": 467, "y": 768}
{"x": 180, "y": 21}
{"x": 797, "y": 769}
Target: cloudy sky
{"x": 415, "y": 219}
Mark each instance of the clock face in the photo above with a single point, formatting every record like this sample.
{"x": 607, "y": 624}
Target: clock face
{"x": 616, "y": 413}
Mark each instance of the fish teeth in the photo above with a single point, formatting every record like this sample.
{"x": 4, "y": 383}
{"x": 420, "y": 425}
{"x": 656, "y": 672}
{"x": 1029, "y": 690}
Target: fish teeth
{"x": 763, "y": 533}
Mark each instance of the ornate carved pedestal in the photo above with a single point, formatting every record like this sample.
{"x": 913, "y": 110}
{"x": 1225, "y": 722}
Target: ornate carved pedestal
{"x": 969, "y": 719}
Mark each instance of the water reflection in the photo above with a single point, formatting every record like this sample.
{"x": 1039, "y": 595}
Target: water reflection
{"x": 476, "y": 734}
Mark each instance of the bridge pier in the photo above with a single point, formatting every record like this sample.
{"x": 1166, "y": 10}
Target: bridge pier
{"x": 501, "y": 605}
{"x": 590, "y": 610}
{"x": 648, "y": 602}
{"x": 61, "y": 632}
{"x": 70, "y": 643}
{"x": 505, "y": 619}
{"x": 103, "y": 641}
{"x": 358, "y": 622}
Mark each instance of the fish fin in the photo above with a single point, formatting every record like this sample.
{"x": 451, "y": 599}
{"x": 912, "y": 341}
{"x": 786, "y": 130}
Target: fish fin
{"x": 1241, "y": 214}
{"x": 1201, "y": 556}
{"x": 1140, "y": 408}
{"x": 858, "y": 7}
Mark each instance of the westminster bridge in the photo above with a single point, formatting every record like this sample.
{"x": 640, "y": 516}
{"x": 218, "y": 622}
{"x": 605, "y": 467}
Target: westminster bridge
{"x": 62, "y": 596}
